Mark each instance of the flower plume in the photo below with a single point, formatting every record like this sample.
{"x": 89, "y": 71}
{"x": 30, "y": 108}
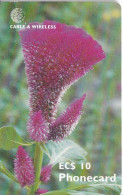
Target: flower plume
{"x": 41, "y": 191}
{"x": 46, "y": 173}
{"x": 23, "y": 167}
{"x": 37, "y": 127}
{"x": 67, "y": 121}
{"x": 55, "y": 59}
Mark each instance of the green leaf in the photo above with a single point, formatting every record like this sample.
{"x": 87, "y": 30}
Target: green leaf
{"x": 108, "y": 188}
{"x": 71, "y": 192}
{"x": 9, "y": 139}
{"x": 66, "y": 150}
{"x": 44, "y": 148}
{"x": 58, "y": 192}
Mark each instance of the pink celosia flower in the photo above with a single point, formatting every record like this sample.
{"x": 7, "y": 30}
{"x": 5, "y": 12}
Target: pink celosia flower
{"x": 23, "y": 167}
{"x": 67, "y": 121}
{"x": 41, "y": 191}
{"x": 46, "y": 173}
{"x": 37, "y": 127}
{"x": 55, "y": 59}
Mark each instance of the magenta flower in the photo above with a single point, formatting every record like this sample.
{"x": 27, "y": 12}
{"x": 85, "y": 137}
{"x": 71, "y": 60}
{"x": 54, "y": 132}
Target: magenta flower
{"x": 23, "y": 167}
{"x": 55, "y": 59}
{"x": 41, "y": 191}
{"x": 46, "y": 173}
{"x": 66, "y": 122}
{"x": 37, "y": 127}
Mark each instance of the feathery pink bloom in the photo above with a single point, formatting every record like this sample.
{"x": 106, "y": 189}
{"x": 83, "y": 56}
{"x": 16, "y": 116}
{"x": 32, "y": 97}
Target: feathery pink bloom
{"x": 23, "y": 168}
{"x": 41, "y": 191}
{"x": 46, "y": 173}
{"x": 55, "y": 59}
{"x": 37, "y": 127}
{"x": 66, "y": 122}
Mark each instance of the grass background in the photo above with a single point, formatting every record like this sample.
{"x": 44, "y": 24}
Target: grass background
{"x": 99, "y": 131}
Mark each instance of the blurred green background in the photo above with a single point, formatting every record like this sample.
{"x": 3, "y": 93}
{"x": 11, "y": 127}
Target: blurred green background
{"x": 99, "y": 131}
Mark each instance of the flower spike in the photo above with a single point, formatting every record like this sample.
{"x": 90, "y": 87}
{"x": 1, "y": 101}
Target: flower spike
{"x": 37, "y": 127}
{"x": 46, "y": 173}
{"x": 41, "y": 191}
{"x": 23, "y": 167}
{"x": 66, "y": 122}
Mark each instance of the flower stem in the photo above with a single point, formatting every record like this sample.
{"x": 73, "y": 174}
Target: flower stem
{"x": 28, "y": 192}
{"x": 37, "y": 165}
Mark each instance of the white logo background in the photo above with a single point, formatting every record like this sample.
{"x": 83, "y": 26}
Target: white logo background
{"x": 17, "y": 15}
